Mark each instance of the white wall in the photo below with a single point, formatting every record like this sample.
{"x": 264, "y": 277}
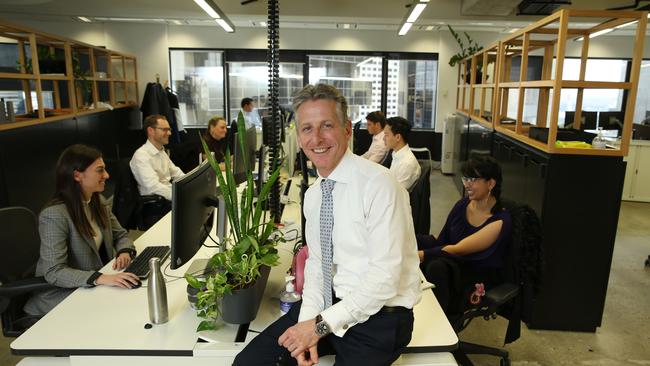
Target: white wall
{"x": 150, "y": 44}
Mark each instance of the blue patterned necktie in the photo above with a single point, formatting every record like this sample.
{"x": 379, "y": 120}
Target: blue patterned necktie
{"x": 326, "y": 225}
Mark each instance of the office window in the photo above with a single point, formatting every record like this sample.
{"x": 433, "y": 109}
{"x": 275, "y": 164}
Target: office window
{"x": 414, "y": 82}
{"x": 595, "y": 100}
{"x": 345, "y": 73}
{"x": 197, "y": 79}
{"x": 250, "y": 80}
{"x": 642, "y": 106}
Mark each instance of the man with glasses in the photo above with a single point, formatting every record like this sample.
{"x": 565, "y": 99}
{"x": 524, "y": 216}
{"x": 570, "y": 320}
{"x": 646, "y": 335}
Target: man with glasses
{"x": 152, "y": 168}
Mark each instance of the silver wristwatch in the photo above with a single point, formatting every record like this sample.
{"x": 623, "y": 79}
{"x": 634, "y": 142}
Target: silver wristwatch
{"x": 322, "y": 328}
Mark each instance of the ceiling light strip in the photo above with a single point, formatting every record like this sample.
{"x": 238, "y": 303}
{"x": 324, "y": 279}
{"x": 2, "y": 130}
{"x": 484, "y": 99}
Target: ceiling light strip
{"x": 417, "y": 7}
{"x": 215, "y": 13}
{"x": 84, "y": 19}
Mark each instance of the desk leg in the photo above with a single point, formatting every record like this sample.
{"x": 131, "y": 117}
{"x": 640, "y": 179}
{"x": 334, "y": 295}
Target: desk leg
{"x": 242, "y": 332}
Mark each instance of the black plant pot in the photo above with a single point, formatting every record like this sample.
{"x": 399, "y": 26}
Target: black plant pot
{"x": 241, "y": 306}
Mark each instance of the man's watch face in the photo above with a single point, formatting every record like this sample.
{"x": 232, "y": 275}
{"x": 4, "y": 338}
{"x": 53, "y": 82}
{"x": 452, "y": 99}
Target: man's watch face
{"x": 322, "y": 329}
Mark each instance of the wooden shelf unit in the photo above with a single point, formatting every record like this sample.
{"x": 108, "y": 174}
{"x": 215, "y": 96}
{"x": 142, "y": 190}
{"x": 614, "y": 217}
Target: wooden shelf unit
{"x": 83, "y": 77}
{"x": 476, "y": 96}
{"x": 547, "y": 38}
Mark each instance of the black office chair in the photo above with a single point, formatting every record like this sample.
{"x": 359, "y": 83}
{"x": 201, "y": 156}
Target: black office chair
{"x": 20, "y": 245}
{"x": 387, "y": 160}
{"x": 419, "y": 195}
{"x": 129, "y": 207}
{"x": 512, "y": 298}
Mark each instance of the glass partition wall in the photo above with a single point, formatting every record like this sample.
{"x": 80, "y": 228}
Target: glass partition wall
{"x": 213, "y": 82}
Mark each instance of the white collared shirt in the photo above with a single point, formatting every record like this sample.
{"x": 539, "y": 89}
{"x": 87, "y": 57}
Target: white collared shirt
{"x": 377, "y": 150}
{"x": 154, "y": 171}
{"x": 252, "y": 118}
{"x": 375, "y": 260}
{"x": 405, "y": 167}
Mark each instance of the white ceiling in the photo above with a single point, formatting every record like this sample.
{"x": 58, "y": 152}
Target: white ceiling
{"x": 362, "y": 14}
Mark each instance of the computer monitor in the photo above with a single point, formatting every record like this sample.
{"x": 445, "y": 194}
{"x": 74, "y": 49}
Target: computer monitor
{"x": 588, "y": 120}
{"x": 240, "y": 165}
{"x": 194, "y": 197}
{"x": 611, "y": 120}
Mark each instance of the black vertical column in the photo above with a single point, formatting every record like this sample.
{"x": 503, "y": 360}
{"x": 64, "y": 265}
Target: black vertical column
{"x": 273, "y": 60}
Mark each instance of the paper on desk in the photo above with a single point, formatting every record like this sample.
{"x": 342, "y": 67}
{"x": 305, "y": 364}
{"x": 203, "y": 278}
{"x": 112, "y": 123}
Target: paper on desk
{"x": 424, "y": 284}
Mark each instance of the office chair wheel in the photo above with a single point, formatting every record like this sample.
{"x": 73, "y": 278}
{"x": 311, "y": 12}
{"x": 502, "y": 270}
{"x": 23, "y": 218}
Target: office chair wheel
{"x": 505, "y": 362}
{"x": 647, "y": 262}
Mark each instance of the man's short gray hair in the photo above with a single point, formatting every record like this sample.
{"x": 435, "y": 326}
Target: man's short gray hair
{"x": 322, "y": 91}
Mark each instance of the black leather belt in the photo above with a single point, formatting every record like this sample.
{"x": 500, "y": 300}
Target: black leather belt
{"x": 395, "y": 309}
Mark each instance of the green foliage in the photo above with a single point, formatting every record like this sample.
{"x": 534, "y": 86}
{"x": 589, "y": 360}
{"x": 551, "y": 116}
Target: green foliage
{"x": 249, "y": 244}
{"x": 472, "y": 47}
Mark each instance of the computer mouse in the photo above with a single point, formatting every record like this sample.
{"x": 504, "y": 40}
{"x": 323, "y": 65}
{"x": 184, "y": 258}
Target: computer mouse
{"x": 137, "y": 285}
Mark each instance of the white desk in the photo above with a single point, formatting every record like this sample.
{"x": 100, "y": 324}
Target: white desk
{"x": 105, "y": 325}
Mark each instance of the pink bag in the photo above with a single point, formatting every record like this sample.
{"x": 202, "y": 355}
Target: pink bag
{"x": 298, "y": 267}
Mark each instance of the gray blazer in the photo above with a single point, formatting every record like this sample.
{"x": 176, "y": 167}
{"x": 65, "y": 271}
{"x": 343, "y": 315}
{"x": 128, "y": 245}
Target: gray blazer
{"x": 68, "y": 259}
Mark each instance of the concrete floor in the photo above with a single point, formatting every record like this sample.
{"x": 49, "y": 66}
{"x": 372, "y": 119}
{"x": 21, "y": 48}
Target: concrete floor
{"x": 623, "y": 338}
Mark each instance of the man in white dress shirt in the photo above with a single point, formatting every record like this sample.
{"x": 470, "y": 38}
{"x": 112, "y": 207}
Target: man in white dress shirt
{"x": 361, "y": 277}
{"x": 377, "y": 150}
{"x": 152, "y": 168}
{"x": 251, "y": 114}
{"x": 405, "y": 167}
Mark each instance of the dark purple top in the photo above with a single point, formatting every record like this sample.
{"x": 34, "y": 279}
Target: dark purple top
{"x": 458, "y": 228}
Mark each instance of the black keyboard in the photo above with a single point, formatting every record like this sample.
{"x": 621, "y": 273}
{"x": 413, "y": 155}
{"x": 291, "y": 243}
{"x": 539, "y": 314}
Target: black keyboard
{"x": 140, "y": 265}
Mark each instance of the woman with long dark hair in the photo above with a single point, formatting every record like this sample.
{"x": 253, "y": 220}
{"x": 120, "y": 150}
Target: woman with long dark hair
{"x": 470, "y": 245}
{"x": 79, "y": 233}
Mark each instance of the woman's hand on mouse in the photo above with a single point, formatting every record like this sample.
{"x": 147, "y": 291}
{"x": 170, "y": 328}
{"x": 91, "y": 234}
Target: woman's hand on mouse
{"x": 122, "y": 279}
{"x": 122, "y": 261}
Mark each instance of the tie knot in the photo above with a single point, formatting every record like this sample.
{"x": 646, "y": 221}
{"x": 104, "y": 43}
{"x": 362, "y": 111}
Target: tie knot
{"x": 327, "y": 185}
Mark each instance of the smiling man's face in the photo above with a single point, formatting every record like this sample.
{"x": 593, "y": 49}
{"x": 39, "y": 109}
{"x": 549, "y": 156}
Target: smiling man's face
{"x": 322, "y": 135}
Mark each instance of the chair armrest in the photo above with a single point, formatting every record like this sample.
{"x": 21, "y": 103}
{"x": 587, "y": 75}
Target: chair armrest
{"x": 151, "y": 198}
{"x": 24, "y": 286}
{"x": 501, "y": 294}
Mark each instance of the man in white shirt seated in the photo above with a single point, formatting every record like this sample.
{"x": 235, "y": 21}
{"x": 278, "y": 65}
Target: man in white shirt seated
{"x": 251, "y": 114}
{"x": 376, "y": 121}
{"x": 361, "y": 277}
{"x": 405, "y": 167}
{"x": 152, "y": 168}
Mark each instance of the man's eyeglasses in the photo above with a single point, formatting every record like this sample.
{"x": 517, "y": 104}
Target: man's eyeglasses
{"x": 164, "y": 129}
{"x": 469, "y": 180}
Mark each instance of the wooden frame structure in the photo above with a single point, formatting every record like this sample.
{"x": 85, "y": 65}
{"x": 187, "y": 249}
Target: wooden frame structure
{"x": 91, "y": 75}
{"x": 548, "y": 38}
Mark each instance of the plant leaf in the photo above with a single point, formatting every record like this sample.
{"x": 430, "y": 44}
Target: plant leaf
{"x": 192, "y": 281}
{"x": 206, "y": 325}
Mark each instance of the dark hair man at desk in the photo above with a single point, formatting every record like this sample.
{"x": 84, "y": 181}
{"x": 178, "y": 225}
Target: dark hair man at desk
{"x": 152, "y": 168}
{"x": 375, "y": 122}
{"x": 361, "y": 278}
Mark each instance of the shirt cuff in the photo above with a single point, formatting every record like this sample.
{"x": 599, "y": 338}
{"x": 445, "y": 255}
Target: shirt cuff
{"x": 91, "y": 280}
{"x": 338, "y": 318}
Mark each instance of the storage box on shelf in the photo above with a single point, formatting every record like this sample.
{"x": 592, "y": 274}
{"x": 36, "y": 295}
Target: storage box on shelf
{"x": 66, "y": 77}
{"x": 536, "y": 111}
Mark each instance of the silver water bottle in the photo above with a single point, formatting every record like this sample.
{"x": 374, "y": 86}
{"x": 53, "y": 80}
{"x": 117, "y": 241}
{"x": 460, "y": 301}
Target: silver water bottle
{"x": 157, "y": 293}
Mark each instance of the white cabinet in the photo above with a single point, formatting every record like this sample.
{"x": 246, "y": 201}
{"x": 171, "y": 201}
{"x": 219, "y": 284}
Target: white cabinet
{"x": 637, "y": 173}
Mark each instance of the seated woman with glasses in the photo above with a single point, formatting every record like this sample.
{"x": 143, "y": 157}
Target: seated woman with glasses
{"x": 471, "y": 245}
{"x": 79, "y": 233}
{"x": 215, "y": 138}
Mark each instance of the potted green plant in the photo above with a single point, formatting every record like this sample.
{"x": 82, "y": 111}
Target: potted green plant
{"x": 472, "y": 48}
{"x": 238, "y": 273}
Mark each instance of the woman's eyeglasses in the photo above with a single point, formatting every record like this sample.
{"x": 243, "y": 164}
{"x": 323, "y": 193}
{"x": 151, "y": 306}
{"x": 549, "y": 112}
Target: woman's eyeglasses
{"x": 469, "y": 180}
